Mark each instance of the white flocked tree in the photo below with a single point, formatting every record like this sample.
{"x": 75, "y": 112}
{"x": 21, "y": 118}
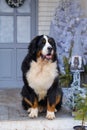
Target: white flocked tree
{"x": 67, "y": 18}
{"x": 67, "y": 21}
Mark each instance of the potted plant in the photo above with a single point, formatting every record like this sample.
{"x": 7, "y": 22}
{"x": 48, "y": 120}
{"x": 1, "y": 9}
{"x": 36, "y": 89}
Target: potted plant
{"x": 81, "y": 112}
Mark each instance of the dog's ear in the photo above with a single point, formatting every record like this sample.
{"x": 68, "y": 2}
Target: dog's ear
{"x": 33, "y": 45}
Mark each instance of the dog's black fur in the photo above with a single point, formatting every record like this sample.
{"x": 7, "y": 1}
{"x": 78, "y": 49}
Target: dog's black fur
{"x": 35, "y": 46}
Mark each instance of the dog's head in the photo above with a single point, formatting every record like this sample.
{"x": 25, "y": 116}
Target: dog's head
{"x": 43, "y": 46}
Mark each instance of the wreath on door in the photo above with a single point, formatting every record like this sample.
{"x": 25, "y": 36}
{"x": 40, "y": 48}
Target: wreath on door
{"x": 15, "y": 3}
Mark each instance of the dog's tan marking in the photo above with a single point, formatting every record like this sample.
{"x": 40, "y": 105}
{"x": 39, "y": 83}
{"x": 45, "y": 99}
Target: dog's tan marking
{"x": 58, "y": 98}
{"x": 33, "y": 111}
{"x": 27, "y": 101}
{"x": 41, "y": 108}
{"x": 50, "y": 111}
{"x": 50, "y": 108}
{"x": 34, "y": 105}
{"x": 38, "y": 54}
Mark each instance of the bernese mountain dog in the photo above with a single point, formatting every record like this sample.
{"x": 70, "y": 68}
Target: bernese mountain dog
{"x": 40, "y": 75}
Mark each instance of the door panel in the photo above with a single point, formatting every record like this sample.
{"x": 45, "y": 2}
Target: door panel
{"x": 6, "y": 57}
{"x": 20, "y": 56}
{"x": 17, "y": 28}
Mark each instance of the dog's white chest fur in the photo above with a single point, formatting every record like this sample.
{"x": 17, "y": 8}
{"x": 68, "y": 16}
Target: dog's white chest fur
{"x": 41, "y": 76}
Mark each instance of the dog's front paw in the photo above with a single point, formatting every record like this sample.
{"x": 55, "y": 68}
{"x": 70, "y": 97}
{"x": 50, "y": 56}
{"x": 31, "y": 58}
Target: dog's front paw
{"x": 33, "y": 112}
{"x": 50, "y": 115}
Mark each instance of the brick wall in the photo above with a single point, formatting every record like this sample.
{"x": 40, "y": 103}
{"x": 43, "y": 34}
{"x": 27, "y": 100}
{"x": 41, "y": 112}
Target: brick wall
{"x": 46, "y": 9}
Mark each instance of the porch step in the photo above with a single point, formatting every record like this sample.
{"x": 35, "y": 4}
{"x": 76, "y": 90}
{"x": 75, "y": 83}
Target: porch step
{"x": 13, "y": 117}
{"x": 38, "y": 124}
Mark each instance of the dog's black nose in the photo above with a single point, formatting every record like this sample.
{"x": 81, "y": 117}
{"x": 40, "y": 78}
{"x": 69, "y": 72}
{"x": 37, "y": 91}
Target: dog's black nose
{"x": 49, "y": 49}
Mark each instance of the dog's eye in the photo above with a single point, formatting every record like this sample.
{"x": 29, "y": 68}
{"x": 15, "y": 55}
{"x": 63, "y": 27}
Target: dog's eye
{"x": 43, "y": 41}
{"x": 51, "y": 42}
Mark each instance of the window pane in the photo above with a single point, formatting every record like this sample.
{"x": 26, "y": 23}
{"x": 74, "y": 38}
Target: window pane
{"x": 6, "y": 29}
{"x": 4, "y": 7}
{"x": 25, "y": 8}
{"x": 23, "y": 29}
